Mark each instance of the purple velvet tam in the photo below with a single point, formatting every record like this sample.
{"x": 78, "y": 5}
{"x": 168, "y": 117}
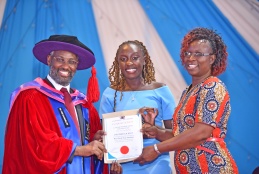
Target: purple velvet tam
{"x": 66, "y": 43}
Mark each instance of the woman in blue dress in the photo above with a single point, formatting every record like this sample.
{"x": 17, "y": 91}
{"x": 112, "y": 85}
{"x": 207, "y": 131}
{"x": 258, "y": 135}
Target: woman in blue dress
{"x": 133, "y": 86}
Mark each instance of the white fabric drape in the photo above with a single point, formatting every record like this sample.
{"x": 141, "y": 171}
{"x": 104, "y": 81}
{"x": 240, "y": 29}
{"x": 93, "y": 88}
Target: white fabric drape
{"x": 240, "y": 14}
{"x": 119, "y": 21}
{"x": 2, "y": 7}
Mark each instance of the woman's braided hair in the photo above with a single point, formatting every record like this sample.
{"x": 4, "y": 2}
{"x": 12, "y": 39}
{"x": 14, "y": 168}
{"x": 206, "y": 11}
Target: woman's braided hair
{"x": 218, "y": 47}
{"x": 117, "y": 79}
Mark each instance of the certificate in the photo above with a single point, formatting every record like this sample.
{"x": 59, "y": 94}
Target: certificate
{"x": 124, "y": 141}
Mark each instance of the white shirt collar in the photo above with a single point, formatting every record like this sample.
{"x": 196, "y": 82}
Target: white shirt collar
{"x": 56, "y": 85}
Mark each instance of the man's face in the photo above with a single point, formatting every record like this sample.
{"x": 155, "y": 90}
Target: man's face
{"x": 63, "y": 66}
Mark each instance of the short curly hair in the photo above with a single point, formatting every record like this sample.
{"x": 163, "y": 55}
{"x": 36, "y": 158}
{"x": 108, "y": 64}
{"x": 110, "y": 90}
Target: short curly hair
{"x": 217, "y": 44}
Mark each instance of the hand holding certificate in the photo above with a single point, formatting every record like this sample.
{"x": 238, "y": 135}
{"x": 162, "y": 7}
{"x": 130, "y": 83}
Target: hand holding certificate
{"x": 124, "y": 141}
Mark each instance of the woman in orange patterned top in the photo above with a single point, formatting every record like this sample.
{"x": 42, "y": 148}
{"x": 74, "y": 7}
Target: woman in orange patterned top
{"x": 200, "y": 119}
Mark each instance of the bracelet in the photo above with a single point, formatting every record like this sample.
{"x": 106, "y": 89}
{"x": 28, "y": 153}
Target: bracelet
{"x": 156, "y": 149}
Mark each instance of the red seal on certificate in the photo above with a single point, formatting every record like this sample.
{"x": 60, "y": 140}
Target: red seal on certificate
{"x": 124, "y": 149}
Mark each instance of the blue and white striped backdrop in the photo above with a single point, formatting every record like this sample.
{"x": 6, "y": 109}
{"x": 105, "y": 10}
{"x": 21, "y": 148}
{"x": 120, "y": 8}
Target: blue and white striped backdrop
{"x": 160, "y": 25}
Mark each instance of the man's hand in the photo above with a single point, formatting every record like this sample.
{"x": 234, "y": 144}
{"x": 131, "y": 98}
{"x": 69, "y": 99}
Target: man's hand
{"x": 99, "y": 135}
{"x": 93, "y": 148}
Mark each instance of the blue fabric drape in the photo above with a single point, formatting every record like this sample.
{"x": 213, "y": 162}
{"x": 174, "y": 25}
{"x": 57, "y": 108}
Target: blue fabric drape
{"x": 172, "y": 20}
{"x": 26, "y": 23}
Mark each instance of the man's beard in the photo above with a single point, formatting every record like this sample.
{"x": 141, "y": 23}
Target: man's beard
{"x": 58, "y": 79}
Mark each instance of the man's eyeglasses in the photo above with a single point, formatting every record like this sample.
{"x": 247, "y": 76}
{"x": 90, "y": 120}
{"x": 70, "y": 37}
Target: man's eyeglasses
{"x": 61, "y": 60}
{"x": 196, "y": 54}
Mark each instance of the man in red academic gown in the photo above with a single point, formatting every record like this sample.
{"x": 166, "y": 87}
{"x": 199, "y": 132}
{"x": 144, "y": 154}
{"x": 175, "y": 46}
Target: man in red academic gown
{"x": 41, "y": 134}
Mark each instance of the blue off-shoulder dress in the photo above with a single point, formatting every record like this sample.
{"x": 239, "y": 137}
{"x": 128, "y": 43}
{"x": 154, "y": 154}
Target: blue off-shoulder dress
{"x": 160, "y": 98}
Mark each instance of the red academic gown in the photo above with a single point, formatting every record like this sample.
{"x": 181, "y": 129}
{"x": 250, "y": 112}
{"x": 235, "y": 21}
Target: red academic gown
{"x": 33, "y": 139}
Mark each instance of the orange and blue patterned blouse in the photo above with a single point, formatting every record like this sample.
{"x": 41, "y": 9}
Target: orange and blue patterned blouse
{"x": 209, "y": 103}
